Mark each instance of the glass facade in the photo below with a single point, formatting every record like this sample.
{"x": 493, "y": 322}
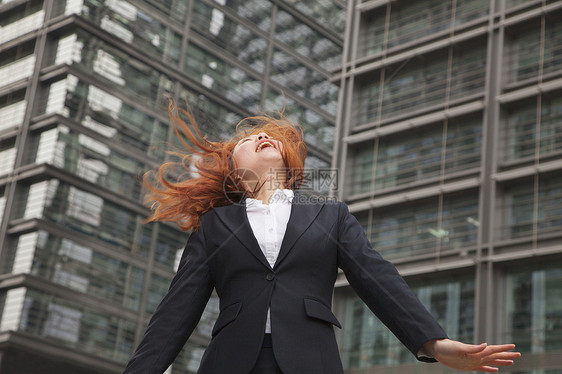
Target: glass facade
{"x": 533, "y": 308}
{"x": 435, "y": 151}
{"x": 535, "y": 50}
{"x": 84, "y": 113}
{"x": 367, "y": 342}
{"x": 441, "y": 224}
{"x": 398, "y": 24}
{"x": 532, "y": 128}
{"x": 533, "y": 207}
{"x": 450, "y": 144}
{"x": 419, "y": 83}
{"x": 68, "y": 323}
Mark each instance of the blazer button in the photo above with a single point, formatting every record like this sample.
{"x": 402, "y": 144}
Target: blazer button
{"x": 270, "y": 276}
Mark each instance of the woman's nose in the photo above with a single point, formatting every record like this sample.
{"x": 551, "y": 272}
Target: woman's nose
{"x": 263, "y": 135}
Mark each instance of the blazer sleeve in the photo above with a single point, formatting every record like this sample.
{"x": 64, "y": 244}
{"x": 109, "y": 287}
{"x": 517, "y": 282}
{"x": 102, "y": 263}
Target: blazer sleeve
{"x": 380, "y": 286}
{"x": 179, "y": 311}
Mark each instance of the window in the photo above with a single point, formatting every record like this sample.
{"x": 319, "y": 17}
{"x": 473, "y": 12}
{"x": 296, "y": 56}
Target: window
{"x": 219, "y": 75}
{"x": 330, "y": 13}
{"x": 106, "y": 114}
{"x": 530, "y": 54}
{"x": 17, "y": 63}
{"x": 226, "y": 33}
{"x": 170, "y": 241}
{"x": 367, "y": 342}
{"x": 21, "y": 19}
{"x": 417, "y": 155}
{"x": 533, "y": 312}
{"x": 7, "y": 155}
{"x": 289, "y": 72}
{"x": 258, "y": 12}
{"x": 88, "y": 158}
{"x": 528, "y": 210}
{"x": 68, "y": 323}
{"x": 420, "y": 83}
{"x": 306, "y": 41}
{"x": 131, "y": 24}
{"x": 401, "y": 22}
{"x": 86, "y": 213}
{"x": 423, "y": 228}
{"x": 12, "y": 110}
{"x": 528, "y": 133}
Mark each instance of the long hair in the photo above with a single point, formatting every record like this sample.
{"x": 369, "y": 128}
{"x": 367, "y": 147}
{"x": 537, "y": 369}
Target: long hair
{"x": 209, "y": 178}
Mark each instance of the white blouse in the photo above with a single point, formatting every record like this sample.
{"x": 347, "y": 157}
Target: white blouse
{"x": 269, "y": 223}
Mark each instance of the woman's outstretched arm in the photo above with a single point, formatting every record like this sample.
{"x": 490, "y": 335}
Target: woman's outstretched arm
{"x": 179, "y": 312}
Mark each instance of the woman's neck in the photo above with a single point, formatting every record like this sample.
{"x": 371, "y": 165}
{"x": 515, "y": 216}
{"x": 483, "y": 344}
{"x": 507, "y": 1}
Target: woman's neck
{"x": 265, "y": 193}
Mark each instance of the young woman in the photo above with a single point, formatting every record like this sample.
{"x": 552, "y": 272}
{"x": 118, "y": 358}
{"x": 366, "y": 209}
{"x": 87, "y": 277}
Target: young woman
{"x": 273, "y": 255}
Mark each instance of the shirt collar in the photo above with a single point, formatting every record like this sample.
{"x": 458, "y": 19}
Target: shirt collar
{"x": 280, "y": 196}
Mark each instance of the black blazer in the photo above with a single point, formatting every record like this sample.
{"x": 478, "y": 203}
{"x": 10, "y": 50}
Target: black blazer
{"x": 224, "y": 254}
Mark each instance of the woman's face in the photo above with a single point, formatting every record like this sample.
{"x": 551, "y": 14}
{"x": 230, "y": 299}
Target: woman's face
{"x": 259, "y": 154}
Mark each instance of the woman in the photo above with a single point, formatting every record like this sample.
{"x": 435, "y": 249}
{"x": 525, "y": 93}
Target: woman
{"x": 272, "y": 255}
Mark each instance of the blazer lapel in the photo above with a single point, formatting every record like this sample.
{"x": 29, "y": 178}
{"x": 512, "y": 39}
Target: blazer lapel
{"x": 303, "y": 213}
{"x": 235, "y": 218}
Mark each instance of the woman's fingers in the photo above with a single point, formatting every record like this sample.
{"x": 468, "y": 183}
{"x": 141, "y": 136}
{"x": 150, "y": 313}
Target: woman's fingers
{"x": 498, "y": 363}
{"x": 500, "y": 348}
{"x": 502, "y": 352}
{"x": 488, "y": 369}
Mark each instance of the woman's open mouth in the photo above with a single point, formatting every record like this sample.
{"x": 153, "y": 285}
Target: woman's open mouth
{"x": 264, "y": 144}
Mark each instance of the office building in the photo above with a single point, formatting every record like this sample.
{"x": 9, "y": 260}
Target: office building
{"x": 83, "y": 113}
{"x": 450, "y": 145}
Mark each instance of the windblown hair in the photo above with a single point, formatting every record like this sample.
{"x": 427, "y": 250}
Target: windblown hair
{"x": 209, "y": 178}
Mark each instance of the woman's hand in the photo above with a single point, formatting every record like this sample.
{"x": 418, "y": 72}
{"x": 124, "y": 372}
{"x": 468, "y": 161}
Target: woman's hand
{"x": 468, "y": 357}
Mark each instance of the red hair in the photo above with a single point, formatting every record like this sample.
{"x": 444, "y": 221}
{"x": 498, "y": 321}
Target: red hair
{"x": 213, "y": 180}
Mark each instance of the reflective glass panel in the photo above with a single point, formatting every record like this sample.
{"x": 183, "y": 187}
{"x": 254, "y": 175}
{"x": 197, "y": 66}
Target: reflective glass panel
{"x": 89, "y": 158}
{"x": 12, "y": 110}
{"x": 86, "y": 213}
{"x": 221, "y": 76}
{"x": 126, "y": 21}
{"x": 226, "y": 33}
{"x": 368, "y": 343}
{"x": 415, "y": 229}
{"x": 83, "y": 269}
{"x": 105, "y": 113}
{"x": 417, "y": 155}
{"x": 77, "y": 326}
{"x": 170, "y": 241}
{"x": 306, "y": 41}
{"x": 258, "y": 12}
{"x": 533, "y": 300}
{"x": 176, "y": 9}
{"x": 329, "y": 13}
{"x": 527, "y": 211}
{"x": 304, "y": 81}
{"x": 528, "y": 133}
{"x": 529, "y": 54}
{"x": 419, "y": 83}
{"x": 409, "y": 21}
